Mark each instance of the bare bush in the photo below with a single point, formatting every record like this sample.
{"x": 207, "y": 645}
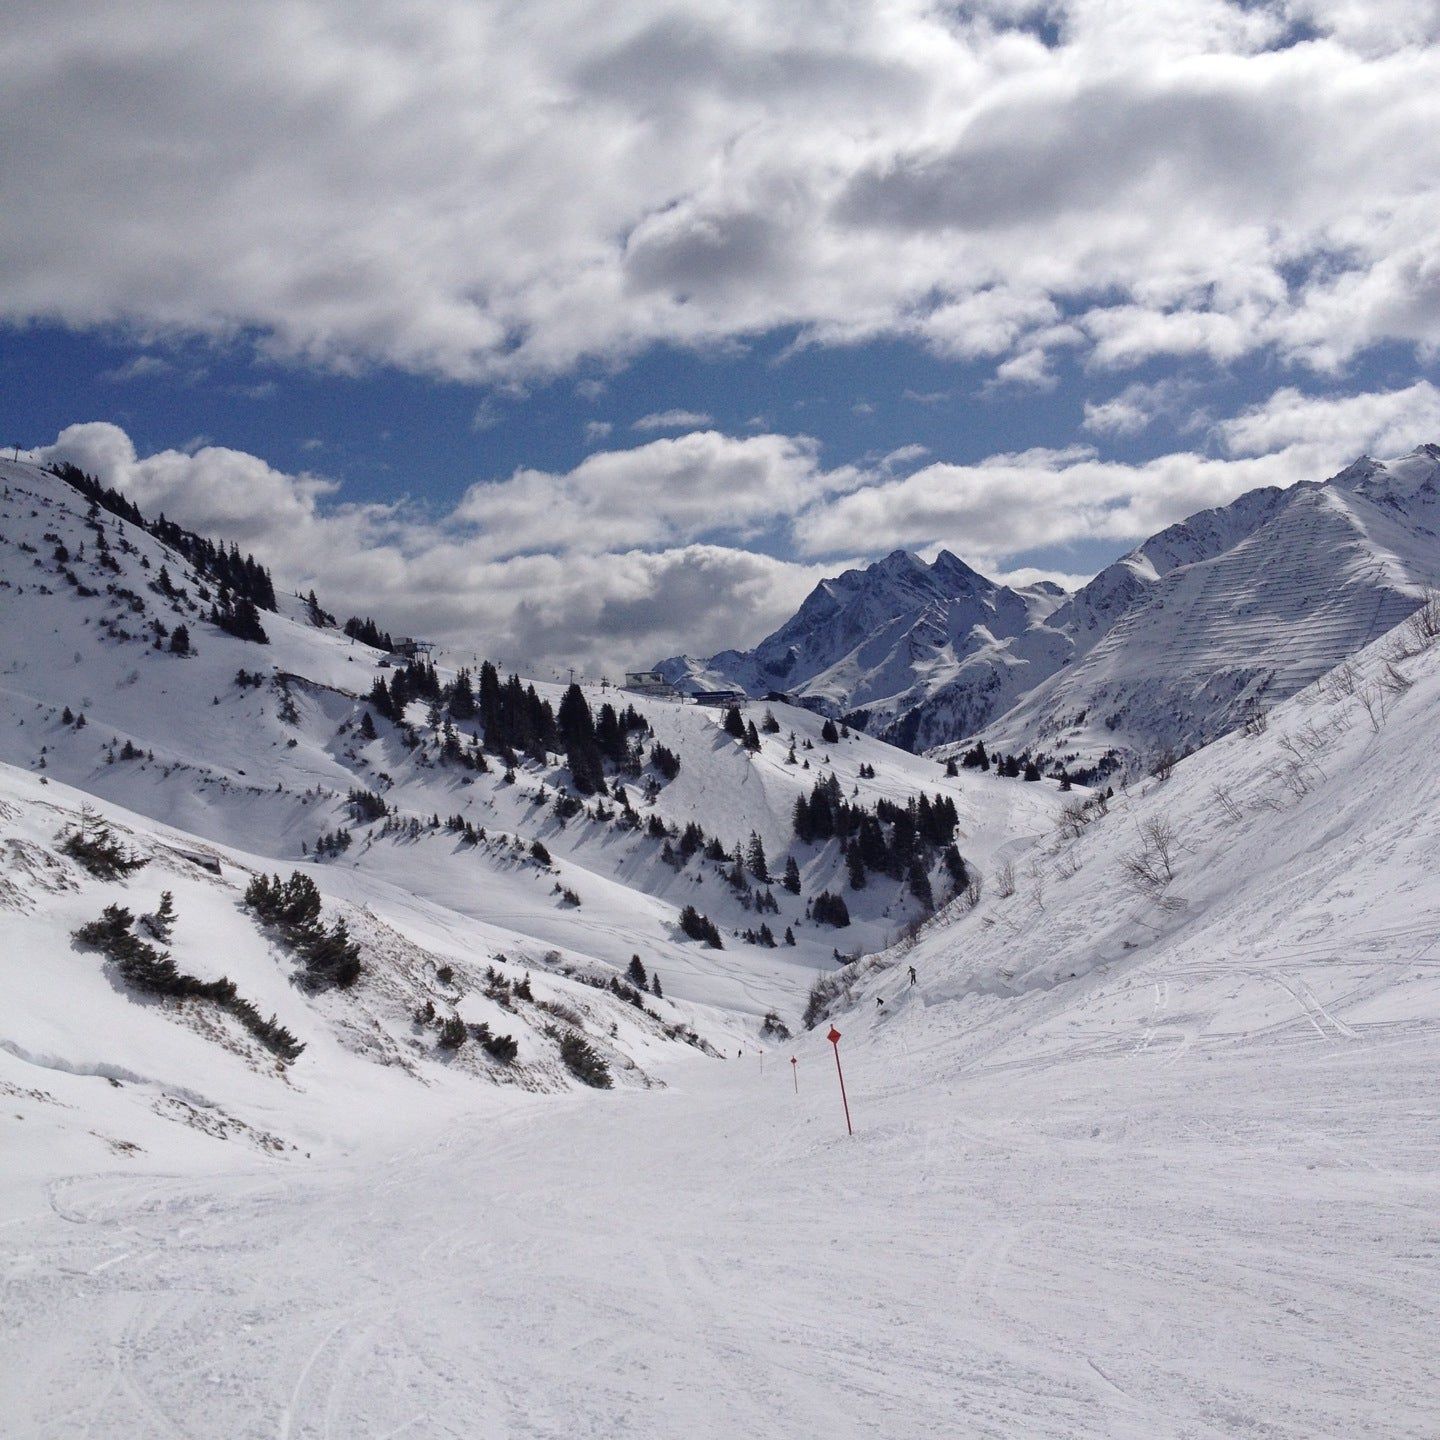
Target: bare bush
{"x": 1073, "y": 820}
{"x": 1423, "y": 627}
{"x": 1373, "y": 701}
{"x": 1391, "y": 680}
{"x": 1225, "y": 803}
{"x": 973, "y": 890}
{"x": 1163, "y": 766}
{"x": 1257, "y": 722}
{"x": 1067, "y": 865}
{"x": 1005, "y": 881}
{"x": 1150, "y": 868}
{"x": 1343, "y": 680}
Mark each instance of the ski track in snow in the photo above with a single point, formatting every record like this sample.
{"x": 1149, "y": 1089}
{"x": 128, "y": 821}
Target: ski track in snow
{"x": 1084, "y": 1244}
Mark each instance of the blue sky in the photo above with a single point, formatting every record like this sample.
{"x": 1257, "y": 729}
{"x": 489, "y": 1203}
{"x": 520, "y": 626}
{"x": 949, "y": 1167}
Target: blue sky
{"x": 592, "y": 342}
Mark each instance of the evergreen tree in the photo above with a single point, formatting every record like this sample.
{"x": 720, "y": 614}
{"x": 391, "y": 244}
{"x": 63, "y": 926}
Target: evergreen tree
{"x": 856, "y": 864}
{"x": 752, "y": 738}
{"x": 636, "y": 971}
{"x": 791, "y": 880}
{"x": 161, "y": 920}
{"x": 755, "y": 860}
{"x": 735, "y": 723}
{"x": 180, "y": 641}
{"x": 919, "y": 883}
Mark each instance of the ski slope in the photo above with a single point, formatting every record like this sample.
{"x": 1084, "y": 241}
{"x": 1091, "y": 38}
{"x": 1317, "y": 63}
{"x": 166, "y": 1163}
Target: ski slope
{"x": 1138, "y": 1154}
{"x": 1124, "y": 1165}
{"x": 221, "y": 761}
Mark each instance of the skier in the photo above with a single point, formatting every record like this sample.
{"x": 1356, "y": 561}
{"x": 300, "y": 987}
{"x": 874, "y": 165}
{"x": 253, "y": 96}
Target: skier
{"x": 912, "y": 974}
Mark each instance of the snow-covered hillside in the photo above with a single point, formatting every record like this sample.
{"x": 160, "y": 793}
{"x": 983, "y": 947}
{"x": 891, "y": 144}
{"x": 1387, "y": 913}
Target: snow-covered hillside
{"x": 263, "y": 747}
{"x": 1231, "y": 610}
{"x": 886, "y": 639}
{"x": 1218, "y": 638}
{"x": 1149, "y": 1148}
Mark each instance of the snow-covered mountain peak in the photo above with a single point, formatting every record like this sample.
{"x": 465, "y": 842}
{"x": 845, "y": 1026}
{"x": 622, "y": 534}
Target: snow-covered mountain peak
{"x": 1404, "y": 478}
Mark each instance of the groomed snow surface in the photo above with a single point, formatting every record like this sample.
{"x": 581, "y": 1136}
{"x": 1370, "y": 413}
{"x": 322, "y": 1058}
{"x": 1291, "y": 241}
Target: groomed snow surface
{"x": 1150, "y": 1158}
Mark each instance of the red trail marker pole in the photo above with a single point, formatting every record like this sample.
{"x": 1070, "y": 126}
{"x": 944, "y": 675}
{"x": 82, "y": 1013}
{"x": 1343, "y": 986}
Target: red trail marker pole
{"x": 834, "y": 1038}
{"x": 795, "y": 1073}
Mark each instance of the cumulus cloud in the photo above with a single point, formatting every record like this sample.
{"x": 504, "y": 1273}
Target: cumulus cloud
{"x": 683, "y": 488}
{"x": 672, "y": 420}
{"x": 1135, "y": 407}
{"x": 436, "y": 186}
{"x": 630, "y": 555}
{"x": 453, "y": 578}
{"x": 1013, "y": 503}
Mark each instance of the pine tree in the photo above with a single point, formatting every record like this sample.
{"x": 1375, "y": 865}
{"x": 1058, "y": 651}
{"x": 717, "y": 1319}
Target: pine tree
{"x": 829, "y": 734}
{"x": 755, "y": 860}
{"x": 919, "y": 883}
{"x": 636, "y": 971}
{"x": 752, "y": 738}
{"x": 735, "y": 723}
{"x": 856, "y": 864}
{"x": 367, "y": 727}
{"x": 180, "y": 641}
{"x": 161, "y": 920}
{"x": 791, "y": 880}
{"x": 655, "y": 989}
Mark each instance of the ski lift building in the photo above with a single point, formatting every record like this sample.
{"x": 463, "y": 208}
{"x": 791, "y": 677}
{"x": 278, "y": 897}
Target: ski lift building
{"x": 649, "y": 682}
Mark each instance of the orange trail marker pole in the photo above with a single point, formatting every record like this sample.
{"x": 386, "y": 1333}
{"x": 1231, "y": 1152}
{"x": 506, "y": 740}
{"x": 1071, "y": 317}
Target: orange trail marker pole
{"x": 834, "y": 1038}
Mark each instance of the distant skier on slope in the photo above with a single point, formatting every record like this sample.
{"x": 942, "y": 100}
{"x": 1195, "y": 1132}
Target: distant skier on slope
{"x": 912, "y": 974}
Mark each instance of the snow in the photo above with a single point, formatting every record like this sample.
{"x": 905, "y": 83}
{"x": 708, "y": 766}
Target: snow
{"x": 1130, "y": 1160}
{"x": 1232, "y": 609}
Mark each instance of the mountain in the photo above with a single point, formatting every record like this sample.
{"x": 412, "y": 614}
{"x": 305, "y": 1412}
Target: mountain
{"x": 1297, "y": 580}
{"x": 1230, "y": 610}
{"x": 1144, "y": 1121}
{"x": 269, "y": 742}
{"x": 885, "y": 639}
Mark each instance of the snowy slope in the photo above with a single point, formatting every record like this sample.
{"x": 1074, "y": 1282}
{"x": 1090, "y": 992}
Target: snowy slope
{"x": 1216, "y": 639}
{"x": 883, "y": 640}
{"x": 1231, "y": 609}
{"x": 1154, "y": 1163}
{"x": 221, "y": 760}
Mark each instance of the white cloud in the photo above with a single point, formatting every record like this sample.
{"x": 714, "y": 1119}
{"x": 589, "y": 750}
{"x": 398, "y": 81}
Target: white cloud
{"x": 138, "y": 367}
{"x": 666, "y": 491}
{"x": 597, "y": 431}
{"x": 1009, "y": 504}
{"x": 434, "y": 186}
{"x": 475, "y": 591}
{"x": 1135, "y": 407}
{"x": 1380, "y": 423}
{"x": 673, "y": 420}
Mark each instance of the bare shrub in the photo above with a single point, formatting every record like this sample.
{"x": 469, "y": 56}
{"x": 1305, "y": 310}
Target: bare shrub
{"x": 1391, "y": 680}
{"x": 1073, "y": 820}
{"x": 1423, "y": 627}
{"x": 1005, "y": 881}
{"x": 1373, "y": 701}
{"x": 1257, "y": 723}
{"x": 1163, "y": 766}
{"x": 1341, "y": 681}
{"x": 1225, "y": 803}
{"x": 1149, "y": 869}
{"x": 973, "y": 890}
